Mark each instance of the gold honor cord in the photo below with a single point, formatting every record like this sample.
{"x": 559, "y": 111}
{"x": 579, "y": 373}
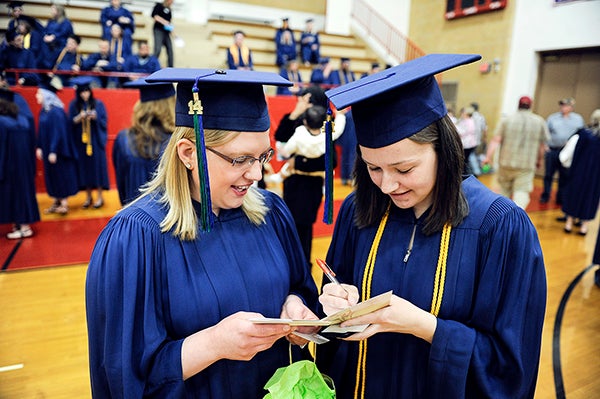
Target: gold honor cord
{"x": 438, "y": 293}
{"x": 86, "y": 135}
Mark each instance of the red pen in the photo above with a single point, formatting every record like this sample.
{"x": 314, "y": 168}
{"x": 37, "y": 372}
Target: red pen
{"x": 328, "y": 272}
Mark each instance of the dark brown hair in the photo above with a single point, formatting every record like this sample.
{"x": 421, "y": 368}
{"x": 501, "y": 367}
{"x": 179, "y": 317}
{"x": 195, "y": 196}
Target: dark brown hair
{"x": 449, "y": 202}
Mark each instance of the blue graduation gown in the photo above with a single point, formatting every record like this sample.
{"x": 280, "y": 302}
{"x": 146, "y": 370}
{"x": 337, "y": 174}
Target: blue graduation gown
{"x": 93, "y": 169}
{"x": 134, "y": 63}
{"x": 112, "y": 14}
{"x": 488, "y": 335}
{"x": 54, "y": 136}
{"x": 583, "y": 188}
{"x": 131, "y": 170}
{"x": 146, "y": 291}
{"x": 17, "y": 171}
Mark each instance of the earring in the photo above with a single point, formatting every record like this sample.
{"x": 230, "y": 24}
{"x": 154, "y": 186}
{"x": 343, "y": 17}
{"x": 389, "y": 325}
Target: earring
{"x": 188, "y": 165}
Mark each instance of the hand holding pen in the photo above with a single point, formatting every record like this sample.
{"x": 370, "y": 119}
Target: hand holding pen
{"x": 351, "y": 297}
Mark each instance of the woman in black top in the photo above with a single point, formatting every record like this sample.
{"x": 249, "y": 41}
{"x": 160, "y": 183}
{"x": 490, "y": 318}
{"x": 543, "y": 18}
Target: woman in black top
{"x": 162, "y": 29}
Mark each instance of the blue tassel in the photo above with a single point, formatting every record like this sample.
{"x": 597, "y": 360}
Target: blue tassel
{"x": 206, "y": 214}
{"x": 328, "y": 206}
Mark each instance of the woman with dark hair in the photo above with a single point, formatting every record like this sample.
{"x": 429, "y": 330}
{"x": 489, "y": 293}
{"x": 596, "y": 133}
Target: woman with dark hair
{"x": 89, "y": 120}
{"x": 464, "y": 264}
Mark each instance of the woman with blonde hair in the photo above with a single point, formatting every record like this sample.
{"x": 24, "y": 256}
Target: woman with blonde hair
{"x": 177, "y": 277}
{"x": 137, "y": 149}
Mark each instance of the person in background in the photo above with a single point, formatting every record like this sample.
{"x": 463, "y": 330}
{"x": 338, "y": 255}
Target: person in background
{"x": 443, "y": 243}
{"x": 303, "y": 192}
{"x": 100, "y": 61}
{"x": 239, "y": 56}
{"x": 15, "y": 56}
{"x": 16, "y": 11}
{"x": 468, "y": 135}
{"x": 88, "y": 119}
{"x": 120, "y": 50}
{"x": 162, "y": 29}
{"x": 115, "y": 13}
{"x": 561, "y": 126}
{"x": 17, "y": 166}
{"x": 69, "y": 59}
{"x": 143, "y": 61}
{"x": 374, "y": 69}
{"x": 310, "y": 47}
{"x": 344, "y": 74}
{"x": 56, "y": 149}
{"x": 285, "y": 44}
{"x": 32, "y": 38}
{"x": 521, "y": 137}
{"x": 481, "y": 131}
{"x": 137, "y": 149}
{"x": 322, "y": 73}
{"x": 57, "y": 30}
{"x": 347, "y": 143}
{"x": 581, "y": 156}
{"x": 291, "y": 73}
{"x": 154, "y": 329}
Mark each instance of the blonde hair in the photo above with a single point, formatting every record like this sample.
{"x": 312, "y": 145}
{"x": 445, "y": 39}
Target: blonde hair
{"x": 151, "y": 121}
{"x": 172, "y": 184}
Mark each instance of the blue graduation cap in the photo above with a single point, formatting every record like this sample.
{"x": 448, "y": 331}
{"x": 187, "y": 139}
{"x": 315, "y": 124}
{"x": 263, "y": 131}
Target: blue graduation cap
{"x": 398, "y": 102}
{"x": 231, "y": 100}
{"x": 151, "y": 91}
{"x": 82, "y": 83}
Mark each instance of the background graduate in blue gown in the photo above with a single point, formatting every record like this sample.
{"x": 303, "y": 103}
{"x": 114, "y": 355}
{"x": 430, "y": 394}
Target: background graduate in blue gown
{"x": 137, "y": 149}
{"x": 465, "y": 264}
{"x": 176, "y": 275}
{"x": 89, "y": 122}
{"x": 17, "y": 165}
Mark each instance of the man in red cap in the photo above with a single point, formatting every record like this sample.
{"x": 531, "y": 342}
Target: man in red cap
{"x": 521, "y": 137}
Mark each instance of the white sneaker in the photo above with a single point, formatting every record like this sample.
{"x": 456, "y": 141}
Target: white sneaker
{"x": 20, "y": 233}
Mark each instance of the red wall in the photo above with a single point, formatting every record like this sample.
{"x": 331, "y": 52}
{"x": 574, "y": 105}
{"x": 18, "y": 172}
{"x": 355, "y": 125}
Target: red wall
{"x": 119, "y": 105}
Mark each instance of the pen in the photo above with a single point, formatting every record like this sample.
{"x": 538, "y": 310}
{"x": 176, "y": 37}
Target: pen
{"x": 328, "y": 272}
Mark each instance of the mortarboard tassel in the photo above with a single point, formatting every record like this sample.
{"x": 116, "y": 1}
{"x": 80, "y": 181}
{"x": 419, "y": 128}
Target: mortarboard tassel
{"x": 206, "y": 215}
{"x": 328, "y": 206}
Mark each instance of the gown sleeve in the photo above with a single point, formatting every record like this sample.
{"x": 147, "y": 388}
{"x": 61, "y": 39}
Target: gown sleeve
{"x": 131, "y": 354}
{"x": 302, "y": 283}
{"x": 496, "y": 353}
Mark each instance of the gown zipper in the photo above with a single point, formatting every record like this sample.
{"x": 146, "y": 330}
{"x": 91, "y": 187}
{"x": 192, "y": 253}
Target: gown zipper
{"x": 410, "y": 244}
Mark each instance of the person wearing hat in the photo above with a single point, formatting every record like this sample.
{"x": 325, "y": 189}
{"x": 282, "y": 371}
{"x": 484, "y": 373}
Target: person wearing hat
{"x": 310, "y": 47}
{"x": 290, "y": 72}
{"x": 322, "y": 73}
{"x": 17, "y": 165}
{"x": 285, "y": 44}
{"x": 239, "y": 56}
{"x": 56, "y": 148}
{"x": 16, "y": 12}
{"x": 137, "y": 149}
{"x": 581, "y": 157}
{"x": 69, "y": 59}
{"x": 344, "y": 74}
{"x": 375, "y": 67}
{"x": 561, "y": 126}
{"x": 16, "y": 56}
{"x": 464, "y": 264}
{"x": 89, "y": 127}
{"x": 178, "y": 274}
{"x": 521, "y": 138}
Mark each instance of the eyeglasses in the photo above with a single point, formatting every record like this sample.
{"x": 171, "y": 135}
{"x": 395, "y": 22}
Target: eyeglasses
{"x": 245, "y": 161}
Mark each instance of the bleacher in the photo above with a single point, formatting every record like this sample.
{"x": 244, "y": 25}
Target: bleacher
{"x": 205, "y": 45}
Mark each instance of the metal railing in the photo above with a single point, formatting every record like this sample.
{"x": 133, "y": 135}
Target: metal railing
{"x": 389, "y": 37}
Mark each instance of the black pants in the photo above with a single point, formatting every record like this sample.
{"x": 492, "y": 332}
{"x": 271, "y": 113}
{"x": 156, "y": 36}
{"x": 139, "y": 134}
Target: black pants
{"x": 162, "y": 38}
